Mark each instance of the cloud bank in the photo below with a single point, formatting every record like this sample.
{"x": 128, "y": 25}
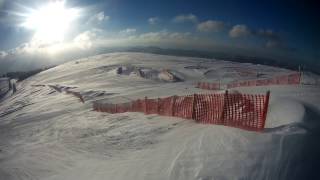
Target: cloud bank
{"x": 239, "y": 30}
{"x": 98, "y": 18}
{"x": 210, "y": 26}
{"x": 185, "y": 18}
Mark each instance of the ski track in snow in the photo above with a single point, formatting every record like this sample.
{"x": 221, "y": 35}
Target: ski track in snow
{"x": 47, "y": 134}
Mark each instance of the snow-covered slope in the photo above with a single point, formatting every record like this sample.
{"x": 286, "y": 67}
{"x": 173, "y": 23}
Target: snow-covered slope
{"x": 45, "y": 134}
{"x": 4, "y": 86}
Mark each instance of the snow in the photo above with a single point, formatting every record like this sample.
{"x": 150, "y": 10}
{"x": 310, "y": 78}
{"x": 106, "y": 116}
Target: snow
{"x": 285, "y": 111}
{"x": 47, "y": 134}
{"x": 4, "y": 86}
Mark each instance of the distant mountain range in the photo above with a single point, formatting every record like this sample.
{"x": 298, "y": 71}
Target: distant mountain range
{"x": 288, "y": 64}
{"x": 29, "y": 64}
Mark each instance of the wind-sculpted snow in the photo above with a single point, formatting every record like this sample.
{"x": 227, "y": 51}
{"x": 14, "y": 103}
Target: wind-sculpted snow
{"x": 163, "y": 75}
{"x": 45, "y": 134}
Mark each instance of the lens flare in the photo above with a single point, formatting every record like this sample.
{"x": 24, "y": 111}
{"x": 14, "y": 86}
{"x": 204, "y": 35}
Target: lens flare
{"x": 50, "y": 22}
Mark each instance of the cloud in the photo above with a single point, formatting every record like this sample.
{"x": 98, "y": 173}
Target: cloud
{"x": 3, "y": 54}
{"x": 128, "y": 31}
{"x": 239, "y": 30}
{"x": 153, "y": 20}
{"x": 210, "y": 26}
{"x": 87, "y": 43}
{"x": 242, "y": 30}
{"x": 32, "y": 55}
{"x": 164, "y": 35}
{"x": 180, "y": 36}
{"x": 22, "y": 48}
{"x": 85, "y": 40}
{"x": 185, "y": 18}
{"x": 272, "y": 39}
{"x": 98, "y": 18}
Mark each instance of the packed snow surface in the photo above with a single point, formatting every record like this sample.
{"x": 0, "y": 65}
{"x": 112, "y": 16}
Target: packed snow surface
{"x": 50, "y": 135}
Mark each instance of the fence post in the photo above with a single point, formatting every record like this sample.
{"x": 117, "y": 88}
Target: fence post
{"x": 265, "y": 109}
{"x": 194, "y": 107}
{"x": 300, "y": 77}
{"x": 172, "y": 104}
{"x": 9, "y": 84}
{"x": 158, "y": 106}
{"x": 225, "y": 107}
{"x": 145, "y": 104}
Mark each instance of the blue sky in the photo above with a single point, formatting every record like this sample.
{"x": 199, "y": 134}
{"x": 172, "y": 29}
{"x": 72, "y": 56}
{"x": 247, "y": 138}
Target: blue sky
{"x": 280, "y": 29}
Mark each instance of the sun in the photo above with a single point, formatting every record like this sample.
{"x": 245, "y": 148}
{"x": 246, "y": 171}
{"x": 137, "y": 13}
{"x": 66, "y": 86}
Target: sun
{"x": 50, "y": 22}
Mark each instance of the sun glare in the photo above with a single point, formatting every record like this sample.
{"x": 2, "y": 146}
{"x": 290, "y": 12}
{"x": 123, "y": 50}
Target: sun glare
{"x": 50, "y": 22}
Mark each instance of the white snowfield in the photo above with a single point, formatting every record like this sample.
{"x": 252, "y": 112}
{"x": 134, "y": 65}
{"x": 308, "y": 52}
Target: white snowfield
{"x": 45, "y": 134}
